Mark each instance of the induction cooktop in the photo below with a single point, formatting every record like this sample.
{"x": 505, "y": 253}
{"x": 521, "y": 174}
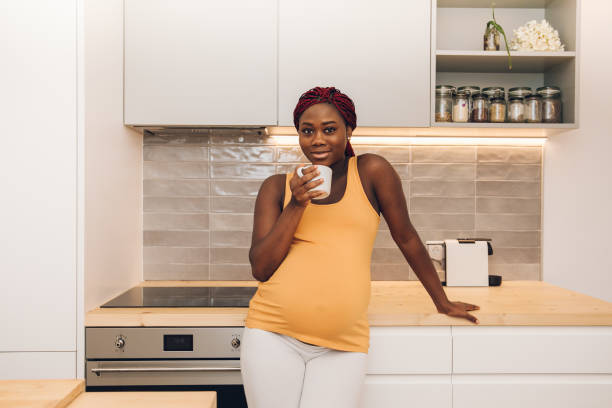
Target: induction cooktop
{"x": 214, "y": 296}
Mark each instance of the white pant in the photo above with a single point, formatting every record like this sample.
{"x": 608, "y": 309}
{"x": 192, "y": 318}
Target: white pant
{"x": 280, "y": 371}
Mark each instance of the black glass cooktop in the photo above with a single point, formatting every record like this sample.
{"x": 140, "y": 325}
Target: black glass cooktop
{"x": 216, "y": 296}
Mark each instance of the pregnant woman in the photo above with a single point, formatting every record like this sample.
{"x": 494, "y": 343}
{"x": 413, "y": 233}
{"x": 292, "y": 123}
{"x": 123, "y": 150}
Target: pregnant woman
{"x": 306, "y": 338}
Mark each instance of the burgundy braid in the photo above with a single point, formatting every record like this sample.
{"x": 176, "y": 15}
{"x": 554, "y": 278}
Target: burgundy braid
{"x": 333, "y": 96}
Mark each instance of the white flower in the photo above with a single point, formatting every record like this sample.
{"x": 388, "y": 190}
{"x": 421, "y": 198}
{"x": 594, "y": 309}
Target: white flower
{"x": 534, "y": 36}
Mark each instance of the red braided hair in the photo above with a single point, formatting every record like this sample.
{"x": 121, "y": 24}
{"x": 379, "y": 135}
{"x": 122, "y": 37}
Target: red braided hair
{"x": 333, "y": 96}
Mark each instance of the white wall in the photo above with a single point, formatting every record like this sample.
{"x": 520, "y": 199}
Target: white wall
{"x": 113, "y": 164}
{"x": 38, "y": 178}
{"x": 577, "y": 203}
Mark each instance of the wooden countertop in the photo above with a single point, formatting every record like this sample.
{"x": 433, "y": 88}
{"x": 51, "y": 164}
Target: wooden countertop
{"x": 70, "y": 393}
{"x": 397, "y": 303}
{"x": 39, "y": 393}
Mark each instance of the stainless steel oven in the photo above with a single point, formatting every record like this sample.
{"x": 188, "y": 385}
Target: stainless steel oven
{"x": 169, "y": 358}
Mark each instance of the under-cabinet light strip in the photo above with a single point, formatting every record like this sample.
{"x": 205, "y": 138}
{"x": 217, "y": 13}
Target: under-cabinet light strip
{"x": 424, "y": 140}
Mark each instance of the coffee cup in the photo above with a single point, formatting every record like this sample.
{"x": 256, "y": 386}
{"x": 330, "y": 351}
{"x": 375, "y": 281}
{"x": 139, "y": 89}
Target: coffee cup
{"x": 325, "y": 174}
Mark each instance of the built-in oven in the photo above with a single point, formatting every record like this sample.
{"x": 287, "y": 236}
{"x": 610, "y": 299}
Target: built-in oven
{"x": 169, "y": 358}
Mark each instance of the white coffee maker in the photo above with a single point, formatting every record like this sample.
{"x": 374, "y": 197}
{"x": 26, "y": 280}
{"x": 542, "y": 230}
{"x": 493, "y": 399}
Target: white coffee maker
{"x": 464, "y": 260}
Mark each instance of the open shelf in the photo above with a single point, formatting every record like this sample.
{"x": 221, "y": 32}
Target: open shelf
{"x": 506, "y": 125}
{"x": 497, "y": 61}
{"x": 498, "y": 3}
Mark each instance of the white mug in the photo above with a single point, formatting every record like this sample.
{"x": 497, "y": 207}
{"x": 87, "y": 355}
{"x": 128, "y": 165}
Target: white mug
{"x": 325, "y": 174}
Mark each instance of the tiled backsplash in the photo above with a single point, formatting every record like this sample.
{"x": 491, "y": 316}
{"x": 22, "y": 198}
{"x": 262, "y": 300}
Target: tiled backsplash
{"x": 200, "y": 188}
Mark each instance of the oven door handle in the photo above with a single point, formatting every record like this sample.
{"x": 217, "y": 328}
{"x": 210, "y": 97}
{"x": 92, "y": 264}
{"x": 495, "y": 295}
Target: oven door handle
{"x": 99, "y": 371}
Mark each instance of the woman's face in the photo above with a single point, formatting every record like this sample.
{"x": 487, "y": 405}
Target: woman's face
{"x": 323, "y": 134}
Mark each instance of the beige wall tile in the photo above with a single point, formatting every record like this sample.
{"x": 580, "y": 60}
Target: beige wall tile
{"x": 507, "y": 154}
{"x": 176, "y": 238}
{"x": 511, "y": 238}
{"x": 515, "y": 256}
{"x": 508, "y": 188}
{"x": 402, "y": 170}
{"x": 247, "y": 154}
{"x": 507, "y": 222}
{"x": 442, "y": 188}
{"x": 174, "y": 188}
{"x": 384, "y": 240}
{"x": 443, "y": 154}
{"x": 236, "y": 187}
{"x": 242, "y": 170}
{"x": 175, "y": 153}
{"x": 231, "y": 239}
{"x": 201, "y": 138}
{"x": 171, "y": 271}
{"x": 167, "y": 255}
{"x": 443, "y": 221}
{"x": 393, "y": 154}
{"x": 230, "y": 256}
{"x": 176, "y": 204}
{"x": 442, "y": 205}
{"x": 174, "y": 170}
{"x": 160, "y": 221}
{"x": 440, "y": 235}
{"x": 508, "y": 205}
{"x": 443, "y": 171}
{"x": 530, "y": 172}
{"x": 391, "y": 272}
{"x": 231, "y": 272}
{"x": 510, "y": 272}
{"x": 231, "y": 222}
{"x": 233, "y": 204}
{"x": 387, "y": 255}
{"x": 290, "y": 154}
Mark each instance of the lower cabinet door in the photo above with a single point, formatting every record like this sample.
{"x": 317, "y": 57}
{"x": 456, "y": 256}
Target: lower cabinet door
{"x": 532, "y": 390}
{"x": 401, "y": 391}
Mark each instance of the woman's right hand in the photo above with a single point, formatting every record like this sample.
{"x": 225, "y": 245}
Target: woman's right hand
{"x": 301, "y": 187}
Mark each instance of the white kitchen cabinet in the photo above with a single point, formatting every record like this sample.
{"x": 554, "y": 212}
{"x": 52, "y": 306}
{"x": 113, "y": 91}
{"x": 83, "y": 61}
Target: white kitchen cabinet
{"x": 38, "y": 174}
{"x": 193, "y": 62}
{"x": 408, "y": 366}
{"x": 376, "y": 52}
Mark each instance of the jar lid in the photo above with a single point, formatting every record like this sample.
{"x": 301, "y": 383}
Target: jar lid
{"x": 445, "y": 89}
{"x": 533, "y": 96}
{"x": 519, "y": 91}
{"x": 469, "y": 88}
{"x": 498, "y": 100}
{"x": 478, "y": 95}
{"x": 493, "y": 89}
{"x": 546, "y": 91}
{"x": 461, "y": 94}
{"x": 515, "y": 98}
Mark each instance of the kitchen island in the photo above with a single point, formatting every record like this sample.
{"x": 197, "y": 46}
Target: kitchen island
{"x": 537, "y": 345}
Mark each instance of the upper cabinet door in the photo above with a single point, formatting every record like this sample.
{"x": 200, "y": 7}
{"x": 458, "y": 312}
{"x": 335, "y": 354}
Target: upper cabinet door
{"x": 377, "y": 52}
{"x": 195, "y": 62}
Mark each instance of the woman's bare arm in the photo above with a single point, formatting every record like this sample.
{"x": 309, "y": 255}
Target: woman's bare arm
{"x": 273, "y": 229}
{"x": 392, "y": 203}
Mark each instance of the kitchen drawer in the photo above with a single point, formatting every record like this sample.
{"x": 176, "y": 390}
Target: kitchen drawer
{"x": 410, "y": 350}
{"x": 401, "y": 391}
{"x": 532, "y": 391}
{"x": 533, "y": 349}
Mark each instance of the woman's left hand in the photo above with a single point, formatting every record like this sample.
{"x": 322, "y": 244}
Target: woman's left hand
{"x": 459, "y": 309}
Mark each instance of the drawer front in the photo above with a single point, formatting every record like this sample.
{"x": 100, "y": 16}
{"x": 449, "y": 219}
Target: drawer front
{"x": 410, "y": 350}
{"x": 401, "y": 391}
{"x": 568, "y": 349}
{"x": 532, "y": 391}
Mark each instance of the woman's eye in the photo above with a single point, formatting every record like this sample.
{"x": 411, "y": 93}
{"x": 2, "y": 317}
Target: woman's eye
{"x": 306, "y": 131}
{"x": 330, "y": 129}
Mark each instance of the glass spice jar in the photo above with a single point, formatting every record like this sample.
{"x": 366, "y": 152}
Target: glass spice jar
{"x": 470, "y": 90}
{"x": 551, "y": 104}
{"x": 444, "y": 103}
{"x": 497, "y": 110}
{"x": 516, "y": 110}
{"x": 480, "y": 112}
{"x": 520, "y": 91}
{"x": 533, "y": 109}
{"x": 494, "y": 92}
{"x": 460, "y": 107}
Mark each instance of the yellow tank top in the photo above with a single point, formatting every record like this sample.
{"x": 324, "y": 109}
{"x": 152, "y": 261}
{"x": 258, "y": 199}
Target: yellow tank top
{"x": 321, "y": 291}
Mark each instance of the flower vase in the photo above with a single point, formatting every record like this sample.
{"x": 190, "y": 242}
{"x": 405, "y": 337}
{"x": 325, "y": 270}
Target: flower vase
{"x": 491, "y": 39}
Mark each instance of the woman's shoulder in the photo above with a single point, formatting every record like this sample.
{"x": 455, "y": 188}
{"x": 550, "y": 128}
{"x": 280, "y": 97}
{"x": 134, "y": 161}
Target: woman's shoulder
{"x": 372, "y": 163}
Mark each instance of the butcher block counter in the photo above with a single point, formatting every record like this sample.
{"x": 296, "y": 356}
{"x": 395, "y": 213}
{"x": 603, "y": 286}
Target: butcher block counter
{"x": 397, "y": 303}
{"x": 70, "y": 393}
